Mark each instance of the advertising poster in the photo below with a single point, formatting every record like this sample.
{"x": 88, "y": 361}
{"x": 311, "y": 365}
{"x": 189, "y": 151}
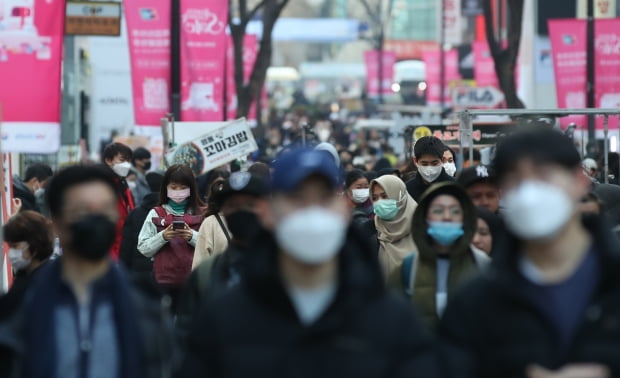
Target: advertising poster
{"x": 31, "y": 37}
{"x": 433, "y": 80}
{"x": 148, "y": 28}
{"x": 203, "y": 59}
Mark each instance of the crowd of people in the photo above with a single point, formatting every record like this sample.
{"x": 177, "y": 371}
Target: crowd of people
{"x": 316, "y": 265}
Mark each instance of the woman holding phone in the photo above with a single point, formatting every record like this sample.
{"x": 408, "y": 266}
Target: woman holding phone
{"x": 169, "y": 233}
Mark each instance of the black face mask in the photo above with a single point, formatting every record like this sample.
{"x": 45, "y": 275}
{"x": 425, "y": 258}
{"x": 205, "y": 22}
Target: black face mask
{"x": 147, "y": 166}
{"x": 92, "y": 236}
{"x": 243, "y": 225}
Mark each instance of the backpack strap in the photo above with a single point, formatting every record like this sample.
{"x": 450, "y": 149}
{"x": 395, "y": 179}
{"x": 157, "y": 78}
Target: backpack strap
{"x": 219, "y": 220}
{"x": 161, "y": 212}
{"x": 408, "y": 272}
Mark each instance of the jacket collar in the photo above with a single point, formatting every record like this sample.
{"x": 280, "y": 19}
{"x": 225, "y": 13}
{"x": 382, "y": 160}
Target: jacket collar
{"x": 359, "y": 278}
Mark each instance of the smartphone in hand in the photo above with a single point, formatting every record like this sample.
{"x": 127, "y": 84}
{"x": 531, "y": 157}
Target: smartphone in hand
{"x": 178, "y": 225}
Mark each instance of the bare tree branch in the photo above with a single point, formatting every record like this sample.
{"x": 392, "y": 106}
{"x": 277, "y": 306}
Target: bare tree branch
{"x": 488, "y": 26}
{"x": 255, "y": 10}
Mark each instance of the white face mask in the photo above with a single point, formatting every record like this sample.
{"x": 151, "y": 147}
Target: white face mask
{"x": 360, "y": 195}
{"x": 16, "y": 257}
{"x": 537, "y": 210}
{"x": 39, "y": 192}
{"x": 122, "y": 169}
{"x": 313, "y": 235}
{"x": 450, "y": 168}
{"x": 429, "y": 173}
{"x": 132, "y": 184}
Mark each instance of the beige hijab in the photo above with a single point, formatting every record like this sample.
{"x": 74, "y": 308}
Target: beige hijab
{"x": 395, "y": 238}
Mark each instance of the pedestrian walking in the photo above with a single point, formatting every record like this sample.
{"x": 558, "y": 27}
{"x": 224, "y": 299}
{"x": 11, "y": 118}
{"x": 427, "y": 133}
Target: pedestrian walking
{"x": 117, "y": 157}
{"x": 312, "y": 305}
{"x": 394, "y": 210}
{"x": 547, "y": 307}
{"x": 82, "y": 317}
{"x": 443, "y": 228}
{"x": 170, "y": 230}
{"x": 30, "y": 238}
{"x": 428, "y": 158}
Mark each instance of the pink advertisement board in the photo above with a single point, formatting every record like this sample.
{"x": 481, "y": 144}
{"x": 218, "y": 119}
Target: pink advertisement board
{"x": 484, "y": 66}
{"x": 568, "y": 43}
{"x": 568, "y": 46}
{"x": 607, "y": 67}
{"x": 250, "y": 51}
{"x": 203, "y": 59}
{"x": 371, "y": 58}
{"x": 433, "y": 73}
{"x": 31, "y": 37}
{"x": 148, "y": 28}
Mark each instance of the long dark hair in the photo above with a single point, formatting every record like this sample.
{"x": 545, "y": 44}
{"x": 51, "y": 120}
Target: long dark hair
{"x": 181, "y": 174}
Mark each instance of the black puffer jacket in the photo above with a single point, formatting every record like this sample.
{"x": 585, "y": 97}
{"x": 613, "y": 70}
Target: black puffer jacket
{"x": 492, "y": 329}
{"x": 21, "y": 191}
{"x": 139, "y": 265}
{"x": 253, "y": 330}
{"x": 416, "y": 186}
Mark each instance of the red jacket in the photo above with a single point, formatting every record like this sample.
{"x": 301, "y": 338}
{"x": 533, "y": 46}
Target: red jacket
{"x": 124, "y": 206}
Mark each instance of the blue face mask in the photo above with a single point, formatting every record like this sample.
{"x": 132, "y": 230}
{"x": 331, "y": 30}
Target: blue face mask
{"x": 386, "y": 209}
{"x": 445, "y": 233}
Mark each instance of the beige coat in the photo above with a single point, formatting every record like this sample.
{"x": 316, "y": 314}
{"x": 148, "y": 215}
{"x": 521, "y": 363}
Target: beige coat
{"x": 211, "y": 240}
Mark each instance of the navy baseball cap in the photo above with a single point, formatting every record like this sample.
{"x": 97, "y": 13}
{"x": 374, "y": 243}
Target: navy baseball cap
{"x": 295, "y": 165}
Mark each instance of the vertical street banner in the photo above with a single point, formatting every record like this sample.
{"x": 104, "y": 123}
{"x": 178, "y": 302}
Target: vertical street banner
{"x": 31, "y": 37}
{"x": 203, "y": 59}
{"x": 484, "y": 66}
{"x": 371, "y": 58}
{"x": 432, "y": 60}
{"x": 607, "y": 67}
{"x": 568, "y": 47}
{"x": 148, "y": 29}
{"x": 569, "y": 50}
{"x": 250, "y": 51}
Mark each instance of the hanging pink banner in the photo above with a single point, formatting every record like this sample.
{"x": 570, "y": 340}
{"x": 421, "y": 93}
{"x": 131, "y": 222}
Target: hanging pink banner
{"x": 148, "y": 28}
{"x": 607, "y": 67}
{"x": 203, "y": 59}
{"x": 568, "y": 47}
{"x": 433, "y": 72}
{"x": 250, "y": 51}
{"x": 484, "y": 66}
{"x": 31, "y": 37}
{"x": 372, "y": 72}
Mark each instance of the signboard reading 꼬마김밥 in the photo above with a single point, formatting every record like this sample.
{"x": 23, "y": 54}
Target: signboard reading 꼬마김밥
{"x": 215, "y": 148}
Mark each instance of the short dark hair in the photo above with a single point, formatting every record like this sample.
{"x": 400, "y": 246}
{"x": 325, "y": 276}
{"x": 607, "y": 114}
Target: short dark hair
{"x": 353, "y": 176}
{"x": 113, "y": 149}
{"x": 154, "y": 179}
{"x": 475, "y": 154}
{"x": 447, "y": 148}
{"x": 428, "y": 145}
{"x": 184, "y": 175}
{"x": 72, "y": 176}
{"x": 542, "y": 144}
{"x": 140, "y": 153}
{"x": 39, "y": 171}
{"x": 33, "y": 228}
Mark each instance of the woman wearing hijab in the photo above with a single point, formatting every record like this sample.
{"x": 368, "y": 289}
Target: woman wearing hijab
{"x": 393, "y": 208}
{"x": 443, "y": 228}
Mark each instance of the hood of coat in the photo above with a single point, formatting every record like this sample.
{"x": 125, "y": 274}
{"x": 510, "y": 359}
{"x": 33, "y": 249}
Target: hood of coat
{"x": 419, "y": 225}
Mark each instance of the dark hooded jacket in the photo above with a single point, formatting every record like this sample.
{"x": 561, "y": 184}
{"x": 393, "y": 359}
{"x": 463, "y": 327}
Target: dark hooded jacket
{"x": 21, "y": 191}
{"x": 491, "y": 328}
{"x": 417, "y": 186}
{"x": 253, "y": 329}
{"x": 464, "y": 259}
